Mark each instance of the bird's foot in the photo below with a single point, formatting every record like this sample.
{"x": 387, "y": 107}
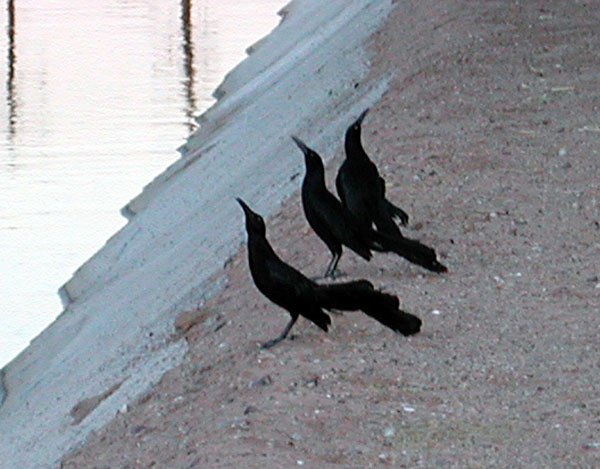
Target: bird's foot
{"x": 271, "y": 343}
{"x": 267, "y": 345}
{"x": 335, "y": 274}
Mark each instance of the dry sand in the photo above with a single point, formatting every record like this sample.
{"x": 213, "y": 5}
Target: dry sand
{"x": 489, "y": 138}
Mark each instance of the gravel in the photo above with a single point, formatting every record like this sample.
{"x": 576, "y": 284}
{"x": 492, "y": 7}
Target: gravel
{"x": 489, "y": 139}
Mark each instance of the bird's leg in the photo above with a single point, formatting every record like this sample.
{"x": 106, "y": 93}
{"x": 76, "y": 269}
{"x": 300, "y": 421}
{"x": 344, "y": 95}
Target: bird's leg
{"x": 283, "y": 335}
{"x": 330, "y": 272}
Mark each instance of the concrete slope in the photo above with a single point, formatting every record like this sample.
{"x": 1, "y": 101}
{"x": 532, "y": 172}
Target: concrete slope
{"x": 112, "y": 341}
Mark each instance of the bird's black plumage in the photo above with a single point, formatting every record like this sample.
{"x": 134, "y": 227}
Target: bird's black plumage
{"x": 338, "y": 227}
{"x": 300, "y": 296}
{"x": 326, "y": 215}
{"x": 362, "y": 189}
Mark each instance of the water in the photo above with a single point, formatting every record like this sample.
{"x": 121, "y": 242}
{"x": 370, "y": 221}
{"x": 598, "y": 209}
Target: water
{"x": 98, "y": 95}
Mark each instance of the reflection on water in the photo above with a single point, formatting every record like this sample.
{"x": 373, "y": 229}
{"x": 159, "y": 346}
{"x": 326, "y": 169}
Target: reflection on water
{"x": 98, "y": 96}
{"x": 10, "y": 74}
{"x": 188, "y": 61}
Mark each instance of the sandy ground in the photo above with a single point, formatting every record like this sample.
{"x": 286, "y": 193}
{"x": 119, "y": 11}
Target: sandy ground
{"x": 489, "y": 138}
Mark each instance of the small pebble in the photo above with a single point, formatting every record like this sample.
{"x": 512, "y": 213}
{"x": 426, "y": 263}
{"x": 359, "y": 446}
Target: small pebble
{"x": 311, "y": 383}
{"x": 436, "y": 312}
{"x": 250, "y": 409}
{"x": 264, "y": 381}
{"x": 562, "y": 152}
{"x": 407, "y": 408}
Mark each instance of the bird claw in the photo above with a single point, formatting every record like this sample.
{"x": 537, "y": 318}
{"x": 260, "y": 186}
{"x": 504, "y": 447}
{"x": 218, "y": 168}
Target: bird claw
{"x": 268, "y": 344}
{"x": 333, "y": 275}
{"x": 271, "y": 343}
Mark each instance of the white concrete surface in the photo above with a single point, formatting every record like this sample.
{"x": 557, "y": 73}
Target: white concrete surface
{"x": 299, "y": 80}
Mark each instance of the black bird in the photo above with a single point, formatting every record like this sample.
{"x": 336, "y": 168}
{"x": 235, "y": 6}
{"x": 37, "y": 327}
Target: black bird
{"x": 300, "y": 296}
{"x": 338, "y": 227}
{"x": 326, "y": 215}
{"x": 362, "y": 190}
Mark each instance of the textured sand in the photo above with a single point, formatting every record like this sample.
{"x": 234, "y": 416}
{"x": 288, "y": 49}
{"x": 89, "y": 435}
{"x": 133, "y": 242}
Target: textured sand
{"x": 489, "y": 138}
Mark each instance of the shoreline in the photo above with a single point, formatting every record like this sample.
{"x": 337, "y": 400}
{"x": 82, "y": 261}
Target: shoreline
{"x": 495, "y": 166}
{"x": 482, "y": 124}
{"x": 114, "y": 341}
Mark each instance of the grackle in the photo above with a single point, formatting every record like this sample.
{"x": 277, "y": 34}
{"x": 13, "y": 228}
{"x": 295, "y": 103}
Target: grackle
{"x": 362, "y": 190}
{"x": 338, "y": 227}
{"x": 300, "y": 296}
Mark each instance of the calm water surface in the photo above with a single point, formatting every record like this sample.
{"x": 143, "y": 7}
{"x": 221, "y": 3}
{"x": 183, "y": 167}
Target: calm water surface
{"x": 97, "y": 96}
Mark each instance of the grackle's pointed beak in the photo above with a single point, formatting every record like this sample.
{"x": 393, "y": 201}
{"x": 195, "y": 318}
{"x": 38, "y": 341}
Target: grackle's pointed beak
{"x": 301, "y": 145}
{"x": 361, "y": 117}
{"x": 254, "y": 222}
{"x": 244, "y": 206}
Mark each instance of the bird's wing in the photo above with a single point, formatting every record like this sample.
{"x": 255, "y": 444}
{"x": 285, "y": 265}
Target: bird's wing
{"x": 294, "y": 292}
{"x": 331, "y": 213}
{"x": 341, "y": 183}
{"x": 388, "y": 209}
{"x": 287, "y": 283}
{"x": 359, "y": 192}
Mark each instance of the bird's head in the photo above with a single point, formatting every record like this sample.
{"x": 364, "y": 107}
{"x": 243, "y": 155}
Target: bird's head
{"x": 254, "y": 222}
{"x": 355, "y": 127}
{"x": 311, "y": 158}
